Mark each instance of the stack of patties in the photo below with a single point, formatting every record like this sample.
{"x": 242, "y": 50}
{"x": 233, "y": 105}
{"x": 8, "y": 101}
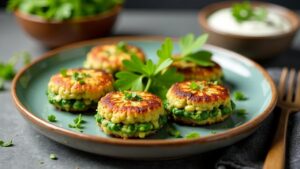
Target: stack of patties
{"x": 109, "y": 57}
{"x": 198, "y": 102}
{"x": 130, "y": 114}
{"x": 78, "y": 90}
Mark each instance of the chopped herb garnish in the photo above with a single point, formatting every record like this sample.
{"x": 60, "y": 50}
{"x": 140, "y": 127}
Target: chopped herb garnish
{"x": 240, "y": 96}
{"x": 77, "y": 123}
{"x": 52, "y": 118}
{"x": 63, "y": 72}
{"x": 192, "y": 135}
{"x": 79, "y": 77}
{"x": 53, "y": 156}
{"x": 241, "y": 112}
{"x": 122, "y": 46}
{"x": 194, "y": 86}
{"x": 172, "y": 131}
{"x": 244, "y": 11}
{"x": 6, "y": 144}
{"x": 132, "y": 96}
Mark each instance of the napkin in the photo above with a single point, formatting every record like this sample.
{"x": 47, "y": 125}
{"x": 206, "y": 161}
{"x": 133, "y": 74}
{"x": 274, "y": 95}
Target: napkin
{"x": 251, "y": 152}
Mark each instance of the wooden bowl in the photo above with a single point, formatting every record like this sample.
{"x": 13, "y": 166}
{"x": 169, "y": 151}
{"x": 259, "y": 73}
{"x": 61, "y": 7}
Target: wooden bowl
{"x": 255, "y": 47}
{"x": 58, "y": 33}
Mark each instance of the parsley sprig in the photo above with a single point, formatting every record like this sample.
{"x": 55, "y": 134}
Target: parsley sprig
{"x": 77, "y": 123}
{"x": 190, "y": 50}
{"x": 6, "y": 144}
{"x": 7, "y": 70}
{"x": 244, "y": 11}
{"x": 155, "y": 78}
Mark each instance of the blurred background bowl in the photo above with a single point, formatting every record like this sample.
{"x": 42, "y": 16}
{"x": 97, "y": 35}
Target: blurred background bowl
{"x": 58, "y": 33}
{"x": 255, "y": 47}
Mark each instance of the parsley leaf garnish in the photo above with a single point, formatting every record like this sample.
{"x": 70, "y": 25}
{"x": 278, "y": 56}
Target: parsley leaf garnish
{"x": 155, "y": 78}
{"x": 77, "y": 123}
{"x": 240, "y": 96}
{"x": 52, "y": 118}
{"x": 244, "y": 12}
{"x": 6, "y": 144}
{"x": 194, "y": 86}
{"x": 192, "y": 135}
{"x": 121, "y": 46}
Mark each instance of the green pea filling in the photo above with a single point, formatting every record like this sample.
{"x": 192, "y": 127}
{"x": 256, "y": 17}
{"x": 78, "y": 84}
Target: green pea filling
{"x": 69, "y": 104}
{"x": 130, "y": 129}
{"x": 202, "y": 115}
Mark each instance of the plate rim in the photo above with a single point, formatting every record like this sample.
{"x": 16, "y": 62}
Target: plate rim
{"x": 244, "y": 128}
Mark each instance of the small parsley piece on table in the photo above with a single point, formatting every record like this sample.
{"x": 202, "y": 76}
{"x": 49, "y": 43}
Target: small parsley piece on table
{"x": 6, "y": 144}
{"x": 77, "y": 123}
{"x": 240, "y": 96}
{"x": 52, "y": 118}
{"x": 192, "y": 135}
{"x": 7, "y": 70}
{"x": 53, "y": 156}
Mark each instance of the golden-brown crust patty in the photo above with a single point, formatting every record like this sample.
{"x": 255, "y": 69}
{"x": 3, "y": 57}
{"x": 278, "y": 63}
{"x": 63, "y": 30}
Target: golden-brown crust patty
{"x": 93, "y": 85}
{"x": 211, "y": 95}
{"x": 109, "y": 58}
{"x": 117, "y": 109}
{"x": 191, "y": 71}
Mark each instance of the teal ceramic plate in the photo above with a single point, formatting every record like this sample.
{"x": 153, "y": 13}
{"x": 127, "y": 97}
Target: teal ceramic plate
{"x": 30, "y": 85}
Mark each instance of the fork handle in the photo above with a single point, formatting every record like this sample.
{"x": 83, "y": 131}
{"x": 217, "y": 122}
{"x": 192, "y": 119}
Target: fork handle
{"x": 276, "y": 156}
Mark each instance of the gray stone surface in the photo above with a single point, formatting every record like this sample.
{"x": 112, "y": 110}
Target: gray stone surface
{"x": 31, "y": 150}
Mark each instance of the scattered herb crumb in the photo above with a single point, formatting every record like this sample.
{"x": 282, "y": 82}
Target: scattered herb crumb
{"x": 132, "y": 96}
{"x": 52, "y": 118}
{"x": 240, "y": 96}
{"x": 192, "y": 135}
{"x": 241, "y": 112}
{"x": 63, "y": 72}
{"x": 6, "y": 144}
{"x": 172, "y": 131}
{"x": 53, "y": 156}
{"x": 77, "y": 123}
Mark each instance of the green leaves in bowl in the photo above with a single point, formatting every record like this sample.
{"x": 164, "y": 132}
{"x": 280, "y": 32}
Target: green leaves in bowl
{"x": 62, "y": 9}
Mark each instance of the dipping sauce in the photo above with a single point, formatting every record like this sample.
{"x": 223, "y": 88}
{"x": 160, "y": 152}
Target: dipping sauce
{"x": 223, "y": 21}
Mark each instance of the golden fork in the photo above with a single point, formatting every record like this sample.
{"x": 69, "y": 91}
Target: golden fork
{"x": 288, "y": 101}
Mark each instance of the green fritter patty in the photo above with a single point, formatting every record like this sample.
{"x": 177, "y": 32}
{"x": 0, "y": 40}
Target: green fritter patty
{"x": 199, "y": 102}
{"x": 130, "y": 130}
{"x": 78, "y": 90}
{"x": 130, "y": 114}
